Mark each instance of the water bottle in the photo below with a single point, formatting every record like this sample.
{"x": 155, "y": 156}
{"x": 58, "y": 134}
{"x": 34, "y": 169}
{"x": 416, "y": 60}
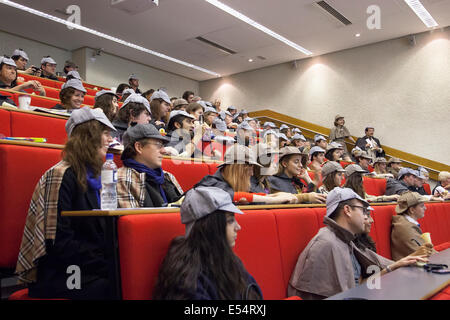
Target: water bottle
{"x": 108, "y": 196}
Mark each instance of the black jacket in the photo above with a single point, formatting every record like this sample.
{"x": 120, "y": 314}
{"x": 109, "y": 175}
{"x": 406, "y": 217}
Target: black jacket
{"x": 80, "y": 241}
{"x": 153, "y": 196}
{"x": 361, "y": 143}
{"x": 217, "y": 181}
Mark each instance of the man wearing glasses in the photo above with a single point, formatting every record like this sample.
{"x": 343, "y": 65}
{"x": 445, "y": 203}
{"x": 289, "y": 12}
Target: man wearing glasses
{"x": 141, "y": 182}
{"x": 331, "y": 263}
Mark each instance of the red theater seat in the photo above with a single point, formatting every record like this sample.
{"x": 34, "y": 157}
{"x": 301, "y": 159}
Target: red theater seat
{"x": 5, "y": 123}
{"x": 187, "y": 173}
{"x": 295, "y": 229}
{"x": 427, "y": 188}
{"x": 43, "y": 102}
{"x": 374, "y": 187}
{"x": 258, "y": 247}
{"x": 143, "y": 244}
{"x": 20, "y": 170}
{"x": 31, "y": 125}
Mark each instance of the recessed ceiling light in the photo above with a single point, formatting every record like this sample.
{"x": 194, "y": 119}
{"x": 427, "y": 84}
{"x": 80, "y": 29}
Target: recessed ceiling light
{"x": 258, "y": 26}
{"x": 250, "y": 60}
{"x": 422, "y": 13}
{"x": 105, "y": 36}
{"x": 358, "y": 35}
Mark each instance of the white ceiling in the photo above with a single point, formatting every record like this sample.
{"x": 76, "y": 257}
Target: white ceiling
{"x": 171, "y": 28}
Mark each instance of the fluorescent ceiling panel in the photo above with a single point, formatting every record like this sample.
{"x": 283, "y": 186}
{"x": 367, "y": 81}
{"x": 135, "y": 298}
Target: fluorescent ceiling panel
{"x": 258, "y": 26}
{"x": 105, "y": 36}
{"x": 422, "y": 13}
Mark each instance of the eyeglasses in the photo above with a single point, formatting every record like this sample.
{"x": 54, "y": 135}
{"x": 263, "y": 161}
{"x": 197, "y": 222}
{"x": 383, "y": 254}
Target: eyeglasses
{"x": 158, "y": 144}
{"x": 366, "y": 211}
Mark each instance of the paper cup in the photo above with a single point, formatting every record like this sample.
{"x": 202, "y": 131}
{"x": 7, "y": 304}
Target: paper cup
{"x": 24, "y": 102}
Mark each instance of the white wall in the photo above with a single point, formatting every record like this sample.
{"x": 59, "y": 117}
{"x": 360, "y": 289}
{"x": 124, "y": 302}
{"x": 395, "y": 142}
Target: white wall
{"x": 35, "y": 50}
{"x": 109, "y": 70}
{"x": 404, "y": 91}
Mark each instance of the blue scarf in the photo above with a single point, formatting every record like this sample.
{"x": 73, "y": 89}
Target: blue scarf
{"x": 94, "y": 183}
{"x": 154, "y": 175}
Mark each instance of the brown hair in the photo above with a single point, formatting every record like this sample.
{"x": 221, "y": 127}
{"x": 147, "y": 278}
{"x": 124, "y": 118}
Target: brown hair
{"x": 130, "y": 151}
{"x": 131, "y": 109}
{"x": 65, "y": 95}
{"x": 236, "y": 176}
{"x": 81, "y": 150}
{"x": 104, "y": 102}
{"x": 155, "y": 107}
{"x": 287, "y": 159}
{"x": 355, "y": 182}
{"x": 193, "y": 107}
{"x": 328, "y": 181}
{"x": 378, "y": 170}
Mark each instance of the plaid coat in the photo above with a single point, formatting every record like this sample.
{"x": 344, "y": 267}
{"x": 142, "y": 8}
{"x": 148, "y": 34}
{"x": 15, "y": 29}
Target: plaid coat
{"x": 131, "y": 187}
{"x": 41, "y": 222}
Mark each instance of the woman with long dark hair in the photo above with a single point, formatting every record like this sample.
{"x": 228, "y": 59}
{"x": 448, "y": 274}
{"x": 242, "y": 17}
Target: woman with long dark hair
{"x": 202, "y": 265}
{"x": 108, "y": 101}
{"x": 332, "y": 176}
{"x": 52, "y": 243}
{"x": 354, "y": 180}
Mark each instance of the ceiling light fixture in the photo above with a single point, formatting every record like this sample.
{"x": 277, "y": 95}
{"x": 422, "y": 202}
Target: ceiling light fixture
{"x": 105, "y": 36}
{"x": 258, "y": 26}
{"x": 422, "y": 13}
{"x": 358, "y": 35}
{"x": 250, "y": 60}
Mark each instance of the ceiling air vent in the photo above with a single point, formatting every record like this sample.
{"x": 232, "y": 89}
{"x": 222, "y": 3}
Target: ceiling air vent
{"x": 215, "y": 45}
{"x": 332, "y": 11}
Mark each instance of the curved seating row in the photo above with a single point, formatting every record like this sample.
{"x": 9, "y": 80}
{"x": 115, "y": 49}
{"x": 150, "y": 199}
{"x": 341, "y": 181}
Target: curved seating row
{"x": 268, "y": 244}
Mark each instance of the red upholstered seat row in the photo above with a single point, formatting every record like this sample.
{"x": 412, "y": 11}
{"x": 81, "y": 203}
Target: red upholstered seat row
{"x": 54, "y": 93}
{"x": 90, "y": 88}
{"x": 268, "y": 244}
{"x": 20, "y": 170}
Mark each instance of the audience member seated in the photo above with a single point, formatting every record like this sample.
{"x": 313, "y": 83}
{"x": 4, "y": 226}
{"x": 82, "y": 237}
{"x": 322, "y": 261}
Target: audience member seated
{"x": 380, "y": 168}
{"x": 443, "y": 186}
{"x": 21, "y": 59}
{"x": 354, "y": 180}
{"x": 233, "y": 176}
{"x": 332, "y": 177}
{"x": 298, "y": 141}
{"x": 286, "y": 131}
{"x": 121, "y": 87}
{"x": 148, "y": 94}
{"x": 424, "y": 177}
{"x": 406, "y": 181}
{"x": 265, "y": 157}
{"x": 245, "y": 135}
{"x": 141, "y": 182}
{"x": 339, "y": 133}
{"x": 233, "y": 110}
{"x": 135, "y": 109}
{"x": 48, "y": 68}
{"x": 363, "y": 240}
{"x": 196, "y": 110}
{"x": 196, "y": 99}
{"x": 283, "y": 140}
{"x": 406, "y": 235}
{"x": 108, "y": 101}
{"x": 160, "y": 108}
{"x": 393, "y": 166}
{"x": 209, "y": 115}
{"x": 363, "y": 160}
{"x": 8, "y": 78}
{"x": 133, "y": 81}
{"x": 51, "y": 242}
{"x": 317, "y": 157}
{"x": 179, "y": 104}
{"x": 188, "y": 96}
{"x": 334, "y": 152}
{"x": 71, "y": 96}
{"x": 370, "y": 144}
{"x": 126, "y": 93}
{"x": 73, "y": 74}
{"x": 227, "y": 117}
{"x": 331, "y": 262}
{"x": 183, "y": 142}
{"x": 320, "y": 141}
{"x": 70, "y": 66}
{"x": 201, "y": 265}
{"x": 290, "y": 169}
{"x": 216, "y": 104}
